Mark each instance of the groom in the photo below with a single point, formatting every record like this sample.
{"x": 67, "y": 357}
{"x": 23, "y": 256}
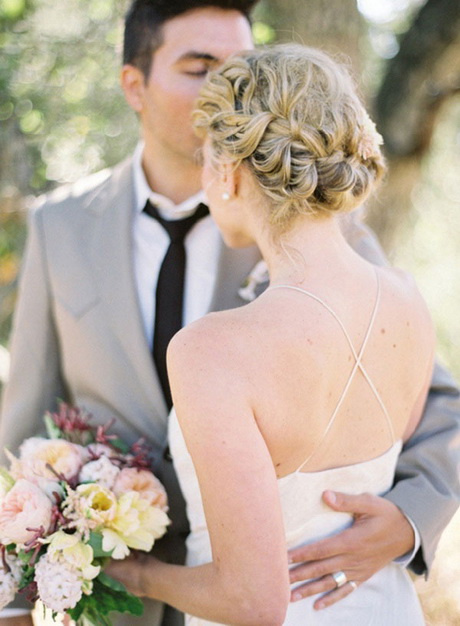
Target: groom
{"x": 89, "y": 311}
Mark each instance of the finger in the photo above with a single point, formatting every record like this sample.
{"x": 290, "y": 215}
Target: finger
{"x": 306, "y": 572}
{"x": 334, "y": 596}
{"x": 340, "y": 544}
{"x": 361, "y": 504}
{"x": 320, "y": 585}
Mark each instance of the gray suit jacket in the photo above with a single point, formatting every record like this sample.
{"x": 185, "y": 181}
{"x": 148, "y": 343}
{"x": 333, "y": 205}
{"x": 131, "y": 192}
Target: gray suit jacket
{"x": 78, "y": 336}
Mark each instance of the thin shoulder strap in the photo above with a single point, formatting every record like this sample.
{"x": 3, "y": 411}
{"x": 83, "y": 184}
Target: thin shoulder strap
{"x": 357, "y": 365}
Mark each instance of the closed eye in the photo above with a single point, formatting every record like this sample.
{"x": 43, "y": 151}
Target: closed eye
{"x": 199, "y": 73}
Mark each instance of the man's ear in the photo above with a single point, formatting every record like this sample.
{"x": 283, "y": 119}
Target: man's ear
{"x": 133, "y": 84}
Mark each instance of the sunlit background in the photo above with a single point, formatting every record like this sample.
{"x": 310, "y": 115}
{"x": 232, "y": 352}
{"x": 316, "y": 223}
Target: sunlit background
{"x": 63, "y": 116}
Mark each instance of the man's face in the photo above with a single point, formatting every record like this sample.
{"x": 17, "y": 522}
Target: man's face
{"x": 193, "y": 44}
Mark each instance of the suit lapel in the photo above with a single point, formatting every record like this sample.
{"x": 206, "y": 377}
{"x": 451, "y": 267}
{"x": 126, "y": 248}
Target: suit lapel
{"x": 112, "y": 256}
{"x": 111, "y": 252}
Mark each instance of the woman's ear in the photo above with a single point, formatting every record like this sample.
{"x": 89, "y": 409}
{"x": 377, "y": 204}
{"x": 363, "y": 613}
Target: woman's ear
{"x": 133, "y": 84}
{"x": 229, "y": 179}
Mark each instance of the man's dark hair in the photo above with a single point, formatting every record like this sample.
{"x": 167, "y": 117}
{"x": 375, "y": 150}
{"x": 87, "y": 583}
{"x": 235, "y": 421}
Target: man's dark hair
{"x": 145, "y": 18}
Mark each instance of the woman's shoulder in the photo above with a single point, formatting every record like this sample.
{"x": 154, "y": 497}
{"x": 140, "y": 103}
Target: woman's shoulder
{"x": 217, "y": 339}
{"x": 404, "y": 296}
{"x": 207, "y": 359}
{"x": 400, "y": 284}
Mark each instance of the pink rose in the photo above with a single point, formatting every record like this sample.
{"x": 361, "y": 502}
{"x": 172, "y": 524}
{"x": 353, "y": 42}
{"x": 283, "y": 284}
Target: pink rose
{"x": 144, "y": 483}
{"x": 36, "y": 454}
{"x": 24, "y": 506}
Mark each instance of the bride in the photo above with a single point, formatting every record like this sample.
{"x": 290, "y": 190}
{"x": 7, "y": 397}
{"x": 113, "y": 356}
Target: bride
{"x": 312, "y": 386}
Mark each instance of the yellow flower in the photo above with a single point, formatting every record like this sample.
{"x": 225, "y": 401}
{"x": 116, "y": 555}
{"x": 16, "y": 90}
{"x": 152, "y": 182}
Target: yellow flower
{"x": 71, "y": 549}
{"x": 138, "y": 523}
{"x": 96, "y": 503}
{"x": 112, "y": 542}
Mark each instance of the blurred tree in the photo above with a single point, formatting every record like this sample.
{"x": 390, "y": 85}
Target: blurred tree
{"x": 334, "y": 25}
{"x": 61, "y": 101}
{"x": 417, "y": 82}
{"x": 62, "y": 113}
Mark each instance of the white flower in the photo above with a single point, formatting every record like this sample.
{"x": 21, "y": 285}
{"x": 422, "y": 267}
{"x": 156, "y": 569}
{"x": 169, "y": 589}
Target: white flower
{"x": 258, "y": 276}
{"x": 112, "y": 542}
{"x": 15, "y": 565}
{"x": 71, "y": 549}
{"x": 9, "y": 581}
{"x": 101, "y": 471}
{"x": 370, "y": 140}
{"x": 100, "y": 449}
{"x": 8, "y": 588}
{"x": 59, "y": 584}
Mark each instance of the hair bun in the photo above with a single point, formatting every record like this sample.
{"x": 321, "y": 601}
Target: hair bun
{"x": 291, "y": 114}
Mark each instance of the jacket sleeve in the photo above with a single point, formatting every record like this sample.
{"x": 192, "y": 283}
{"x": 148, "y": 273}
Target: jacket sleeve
{"x": 427, "y": 481}
{"x": 35, "y": 378}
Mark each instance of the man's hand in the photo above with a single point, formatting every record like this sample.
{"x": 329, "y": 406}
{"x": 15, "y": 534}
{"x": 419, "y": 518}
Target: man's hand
{"x": 380, "y": 533}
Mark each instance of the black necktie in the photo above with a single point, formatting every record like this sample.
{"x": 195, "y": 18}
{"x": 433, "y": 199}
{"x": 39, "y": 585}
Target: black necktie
{"x": 170, "y": 288}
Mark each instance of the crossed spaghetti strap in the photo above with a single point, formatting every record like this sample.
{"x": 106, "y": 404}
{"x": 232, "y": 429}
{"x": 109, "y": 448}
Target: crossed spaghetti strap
{"x": 358, "y": 365}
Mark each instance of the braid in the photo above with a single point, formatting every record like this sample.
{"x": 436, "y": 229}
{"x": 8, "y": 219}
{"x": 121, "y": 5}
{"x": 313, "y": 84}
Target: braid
{"x": 291, "y": 114}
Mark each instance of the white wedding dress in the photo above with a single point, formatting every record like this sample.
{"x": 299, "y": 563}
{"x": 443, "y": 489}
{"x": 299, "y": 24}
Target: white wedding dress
{"x": 386, "y": 599}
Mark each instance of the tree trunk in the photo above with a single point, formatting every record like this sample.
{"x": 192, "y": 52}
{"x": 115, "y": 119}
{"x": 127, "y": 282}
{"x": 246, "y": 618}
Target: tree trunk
{"x": 420, "y": 78}
{"x": 333, "y": 25}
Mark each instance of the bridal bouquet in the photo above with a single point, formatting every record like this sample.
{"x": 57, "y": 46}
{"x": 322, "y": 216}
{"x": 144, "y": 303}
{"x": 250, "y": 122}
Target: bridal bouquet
{"x": 68, "y": 503}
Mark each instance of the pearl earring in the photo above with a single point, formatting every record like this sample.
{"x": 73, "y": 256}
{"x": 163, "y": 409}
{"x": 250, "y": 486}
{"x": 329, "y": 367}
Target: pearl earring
{"x": 225, "y": 196}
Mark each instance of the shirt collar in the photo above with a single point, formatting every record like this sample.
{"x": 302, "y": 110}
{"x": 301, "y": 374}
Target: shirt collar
{"x": 166, "y": 207}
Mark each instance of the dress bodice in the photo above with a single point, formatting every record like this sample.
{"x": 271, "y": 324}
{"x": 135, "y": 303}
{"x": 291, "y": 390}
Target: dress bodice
{"x": 387, "y": 599}
{"x": 306, "y": 517}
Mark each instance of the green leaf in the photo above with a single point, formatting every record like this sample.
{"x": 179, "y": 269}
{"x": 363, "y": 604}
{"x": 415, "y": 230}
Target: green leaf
{"x": 120, "y": 445}
{"x": 52, "y": 430}
{"x": 95, "y": 541}
{"x": 110, "y": 582}
{"x": 6, "y": 480}
{"x": 90, "y": 617}
{"x": 24, "y": 556}
{"x": 78, "y": 609}
{"x": 85, "y": 614}
{"x": 108, "y": 596}
{"x": 105, "y": 599}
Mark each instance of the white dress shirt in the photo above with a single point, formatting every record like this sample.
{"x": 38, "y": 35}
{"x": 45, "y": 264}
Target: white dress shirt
{"x": 202, "y": 245}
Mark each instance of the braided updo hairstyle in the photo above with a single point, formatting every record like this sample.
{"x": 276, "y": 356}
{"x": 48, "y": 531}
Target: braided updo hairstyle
{"x": 292, "y": 116}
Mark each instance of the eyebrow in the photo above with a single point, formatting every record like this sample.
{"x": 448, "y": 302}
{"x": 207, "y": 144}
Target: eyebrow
{"x": 200, "y": 56}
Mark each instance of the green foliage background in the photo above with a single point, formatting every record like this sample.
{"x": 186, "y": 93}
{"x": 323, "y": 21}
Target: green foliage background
{"x": 62, "y": 113}
{"x": 63, "y": 116}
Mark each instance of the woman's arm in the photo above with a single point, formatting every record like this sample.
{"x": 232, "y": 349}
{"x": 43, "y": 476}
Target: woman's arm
{"x": 247, "y": 580}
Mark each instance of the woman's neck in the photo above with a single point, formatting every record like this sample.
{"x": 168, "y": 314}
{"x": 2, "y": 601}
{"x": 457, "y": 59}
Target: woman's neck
{"x": 312, "y": 247}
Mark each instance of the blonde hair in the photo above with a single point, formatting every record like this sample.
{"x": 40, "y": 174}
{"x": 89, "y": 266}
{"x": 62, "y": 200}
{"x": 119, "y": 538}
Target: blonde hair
{"x": 292, "y": 116}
